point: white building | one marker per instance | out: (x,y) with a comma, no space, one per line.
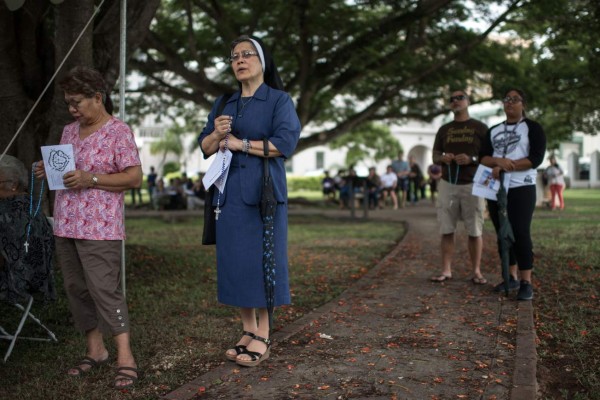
(580,159)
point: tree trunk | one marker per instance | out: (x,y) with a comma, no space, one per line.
(20,75)
(34,41)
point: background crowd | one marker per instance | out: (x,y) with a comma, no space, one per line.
(403,182)
(179,193)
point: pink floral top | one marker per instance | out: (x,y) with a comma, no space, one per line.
(95,214)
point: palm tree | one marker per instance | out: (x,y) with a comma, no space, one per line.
(171,142)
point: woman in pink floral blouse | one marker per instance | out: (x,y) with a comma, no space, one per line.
(88,221)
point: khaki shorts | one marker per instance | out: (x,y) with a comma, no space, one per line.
(454,203)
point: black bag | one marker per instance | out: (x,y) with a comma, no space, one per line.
(209,233)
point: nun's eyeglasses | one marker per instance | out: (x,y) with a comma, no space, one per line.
(244,54)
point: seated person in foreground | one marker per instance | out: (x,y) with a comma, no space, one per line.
(26,238)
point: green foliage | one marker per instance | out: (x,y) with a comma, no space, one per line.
(171,167)
(345,63)
(171,142)
(369,144)
(559,66)
(296,183)
(348,64)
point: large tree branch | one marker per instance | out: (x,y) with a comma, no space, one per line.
(107,33)
(173,62)
(154,69)
(426,73)
(306,61)
(367,114)
(387,29)
(464,49)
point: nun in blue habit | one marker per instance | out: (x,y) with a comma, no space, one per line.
(259,109)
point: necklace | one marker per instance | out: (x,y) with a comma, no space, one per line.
(450,174)
(32,214)
(244,104)
(218,209)
(506,137)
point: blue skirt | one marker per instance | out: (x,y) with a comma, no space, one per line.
(240,281)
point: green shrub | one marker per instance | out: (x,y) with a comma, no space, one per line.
(171,167)
(297,183)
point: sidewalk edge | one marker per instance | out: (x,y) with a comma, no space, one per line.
(525,385)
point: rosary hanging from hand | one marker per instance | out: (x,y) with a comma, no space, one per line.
(32,214)
(218,209)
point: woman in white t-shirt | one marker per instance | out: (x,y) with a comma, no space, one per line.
(516,146)
(389,181)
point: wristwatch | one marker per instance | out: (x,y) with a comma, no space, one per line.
(474,159)
(94,180)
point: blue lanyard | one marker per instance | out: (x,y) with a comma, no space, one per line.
(32,214)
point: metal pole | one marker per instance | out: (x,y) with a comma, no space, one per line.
(122,71)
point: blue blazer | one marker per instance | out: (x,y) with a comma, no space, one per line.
(270,114)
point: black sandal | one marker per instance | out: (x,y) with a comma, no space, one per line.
(122,376)
(86,361)
(256,357)
(240,348)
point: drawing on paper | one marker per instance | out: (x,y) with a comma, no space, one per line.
(58,160)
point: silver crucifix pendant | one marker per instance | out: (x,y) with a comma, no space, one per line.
(217,212)
(26,245)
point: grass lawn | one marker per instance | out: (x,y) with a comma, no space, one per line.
(179,329)
(567,303)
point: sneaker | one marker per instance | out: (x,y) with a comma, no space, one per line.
(513,284)
(525,291)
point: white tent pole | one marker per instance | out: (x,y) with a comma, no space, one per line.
(122,81)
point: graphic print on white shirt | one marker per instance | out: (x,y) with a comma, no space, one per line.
(516,140)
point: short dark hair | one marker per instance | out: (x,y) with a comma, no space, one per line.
(86,81)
